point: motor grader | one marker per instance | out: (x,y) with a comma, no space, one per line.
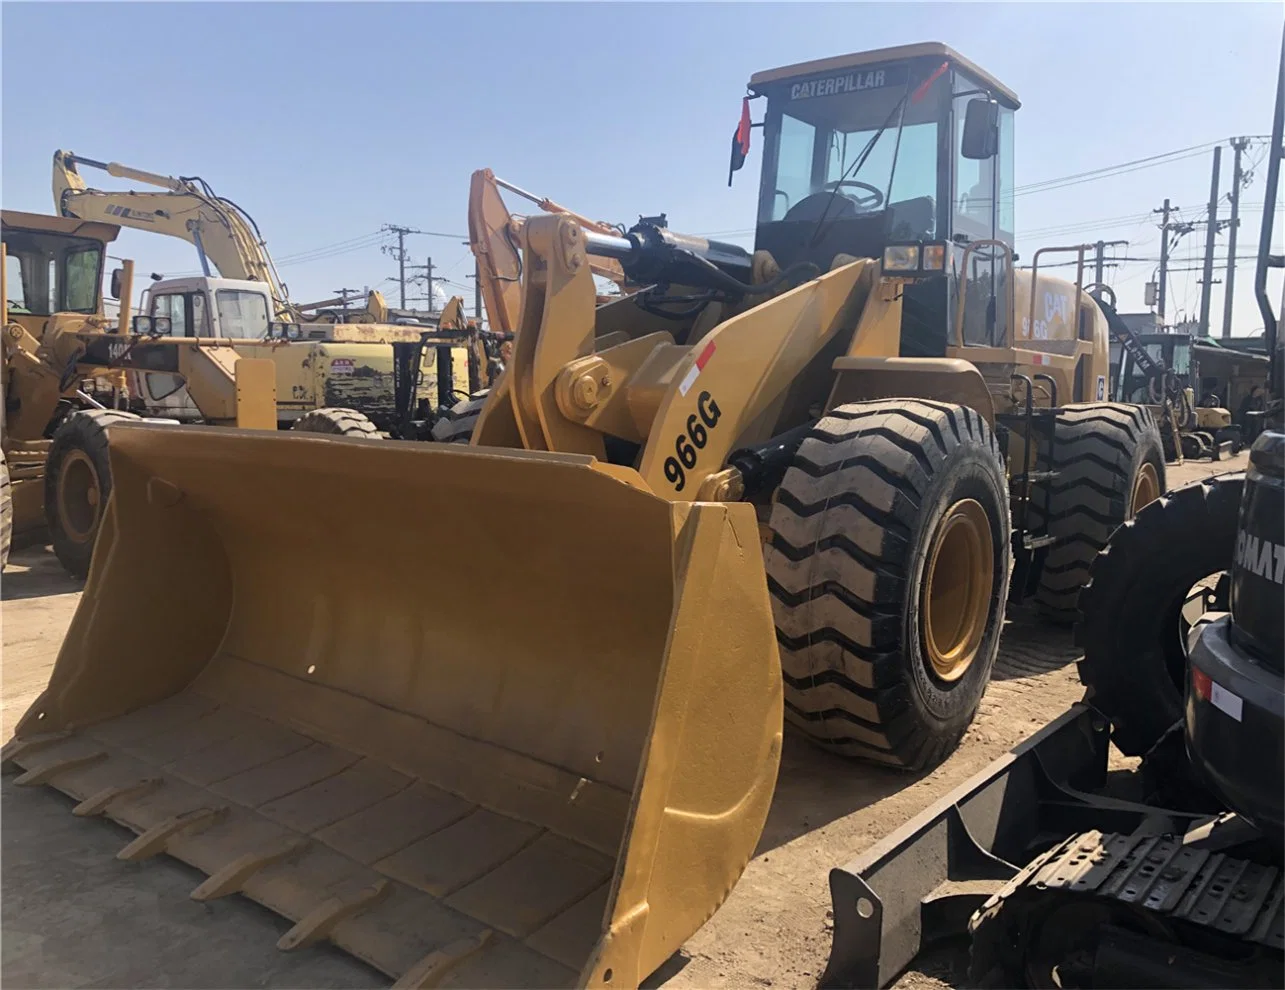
(803,479)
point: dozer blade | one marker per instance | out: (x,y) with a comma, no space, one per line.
(480,718)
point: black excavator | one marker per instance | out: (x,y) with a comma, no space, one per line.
(1060,874)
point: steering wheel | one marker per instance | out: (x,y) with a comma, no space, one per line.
(866,204)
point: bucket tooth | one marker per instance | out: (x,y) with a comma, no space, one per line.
(96,804)
(154,840)
(17,748)
(232,877)
(430,970)
(318,923)
(46,773)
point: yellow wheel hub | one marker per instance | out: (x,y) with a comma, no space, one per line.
(79,496)
(1146,489)
(957,589)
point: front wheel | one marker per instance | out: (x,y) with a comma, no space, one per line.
(888,566)
(6,512)
(78,482)
(335,421)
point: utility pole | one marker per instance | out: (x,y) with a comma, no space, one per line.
(1238,145)
(477,292)
(427,269)
(400,252)
(1211,234)
(1164,260)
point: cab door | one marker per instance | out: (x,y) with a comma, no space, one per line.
(982,210)
(163,394)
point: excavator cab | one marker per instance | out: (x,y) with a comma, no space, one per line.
(904,154)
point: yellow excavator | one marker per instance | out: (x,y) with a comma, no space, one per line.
(804,481)
(223,234)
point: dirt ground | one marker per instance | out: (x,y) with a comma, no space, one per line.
(74,916)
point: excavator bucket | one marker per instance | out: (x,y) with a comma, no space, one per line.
(480,718)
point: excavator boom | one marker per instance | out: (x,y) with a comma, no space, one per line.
(223,233)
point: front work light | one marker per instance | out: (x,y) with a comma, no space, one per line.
(901,258)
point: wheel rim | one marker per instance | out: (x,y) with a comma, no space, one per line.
(957,590)
(1146,488)
(79,497)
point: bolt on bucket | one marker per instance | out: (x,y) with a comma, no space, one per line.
(480,718)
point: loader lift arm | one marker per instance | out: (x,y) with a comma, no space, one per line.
(223,233)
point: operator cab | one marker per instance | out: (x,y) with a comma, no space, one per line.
(207,307)
(901,153)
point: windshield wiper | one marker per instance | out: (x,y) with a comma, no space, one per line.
(855,167)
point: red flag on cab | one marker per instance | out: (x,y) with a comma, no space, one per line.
(740,140)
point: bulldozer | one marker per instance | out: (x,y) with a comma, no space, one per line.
(801,483)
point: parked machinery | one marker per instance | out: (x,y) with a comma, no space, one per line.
(800,472)
(1167,876)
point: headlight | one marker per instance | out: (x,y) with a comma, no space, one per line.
(292,331)
(277,330)
(142,324)
(901,258)
(934,257)
(161,324)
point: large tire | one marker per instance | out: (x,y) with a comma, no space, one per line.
(1110,463)
(78,482)
(1135,655)
(861,578)
(6,512)
(336,422)
(456,426)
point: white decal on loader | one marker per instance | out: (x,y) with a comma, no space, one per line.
(1102,387)
(1261,557)
(848,83)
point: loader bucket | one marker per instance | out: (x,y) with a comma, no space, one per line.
(480,718)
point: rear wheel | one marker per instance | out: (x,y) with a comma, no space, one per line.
(78,482)
(336,422)
(888,566)
(1132,627)
(456,426)
(1110,464)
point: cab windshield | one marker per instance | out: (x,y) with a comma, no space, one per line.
(51,273)
(242,314)
(848,148)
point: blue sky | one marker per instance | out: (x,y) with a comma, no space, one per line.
(326,121)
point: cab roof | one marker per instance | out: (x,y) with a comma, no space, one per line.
(921,50)
(105,232)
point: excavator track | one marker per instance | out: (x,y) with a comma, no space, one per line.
(1089,903)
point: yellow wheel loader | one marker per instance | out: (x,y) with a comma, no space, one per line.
(805,479)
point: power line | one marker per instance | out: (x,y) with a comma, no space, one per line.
(337,244)
(1151,161)
(1123,168)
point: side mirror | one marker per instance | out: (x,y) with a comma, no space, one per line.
(116,276)
(981,130)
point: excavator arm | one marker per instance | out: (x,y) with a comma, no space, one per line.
(495,237)
(224,234)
